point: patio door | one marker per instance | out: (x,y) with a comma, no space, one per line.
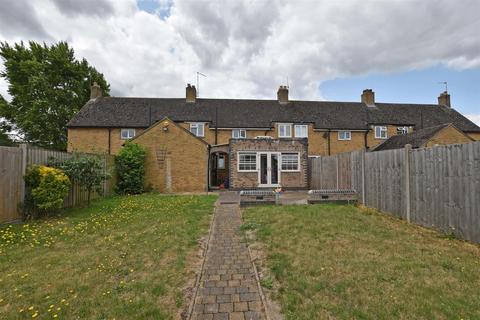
(269,164)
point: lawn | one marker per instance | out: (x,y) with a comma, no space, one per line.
(343,262)
(122,258)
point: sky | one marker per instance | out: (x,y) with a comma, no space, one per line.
(324,50)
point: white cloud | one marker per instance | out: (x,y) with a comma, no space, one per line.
(474,118)
(247,48)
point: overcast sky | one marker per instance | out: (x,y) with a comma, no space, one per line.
(328,49)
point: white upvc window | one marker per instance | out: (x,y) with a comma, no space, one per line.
(126,134)
(239,134)
(344,135)
(284,130)
(290,161)
(381,132)
(402,130)
(301,131)
(197,128)
(247,162)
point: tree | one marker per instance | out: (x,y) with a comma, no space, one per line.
(130,168)
(48,86)
(4,127)
(86,171)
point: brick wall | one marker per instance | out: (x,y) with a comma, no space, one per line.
(448,135)
(475,136)
(245,180)
(176,161)
(95,140)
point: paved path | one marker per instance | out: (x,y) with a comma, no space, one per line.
(228,288)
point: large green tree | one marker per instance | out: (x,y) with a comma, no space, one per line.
(4,126)
(48,86)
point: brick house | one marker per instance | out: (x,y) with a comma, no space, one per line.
(194,144)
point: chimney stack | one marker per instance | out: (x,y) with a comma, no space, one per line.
(444,99)
(368,97)
(95,91)
(191,93)
(282,95)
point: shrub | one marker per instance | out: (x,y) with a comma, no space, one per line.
(130,168)
(86,171)
(48,187)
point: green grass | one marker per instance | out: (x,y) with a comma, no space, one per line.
(342,262)
(122,258)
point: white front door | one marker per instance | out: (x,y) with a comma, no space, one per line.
(269,165)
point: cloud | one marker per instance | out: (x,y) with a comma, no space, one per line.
(18,19)
(71,8)
(247,48)
(474,118)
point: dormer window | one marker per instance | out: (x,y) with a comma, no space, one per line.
(197,128)
(284,130)
(126,134)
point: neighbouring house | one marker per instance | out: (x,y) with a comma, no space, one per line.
(427,137)
(194,144)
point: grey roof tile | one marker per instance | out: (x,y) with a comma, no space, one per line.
(142,112)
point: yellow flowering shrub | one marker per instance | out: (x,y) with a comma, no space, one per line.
(48,186)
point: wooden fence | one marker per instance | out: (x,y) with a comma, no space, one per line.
(435,187)
(13,164)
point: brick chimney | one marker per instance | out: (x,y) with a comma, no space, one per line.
(95,91)
(282,95)
(368,97)
(191,93)
(444,99)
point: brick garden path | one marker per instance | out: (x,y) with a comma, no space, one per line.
(228,288)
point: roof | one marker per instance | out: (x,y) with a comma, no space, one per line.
(417,138)
(238,113)
(169,121)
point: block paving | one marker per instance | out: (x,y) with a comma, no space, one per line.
(228,288)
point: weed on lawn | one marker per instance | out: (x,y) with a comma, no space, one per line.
(123,258)
(342,262)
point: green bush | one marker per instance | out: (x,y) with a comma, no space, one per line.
(47,187)
(86,171)
(130,168)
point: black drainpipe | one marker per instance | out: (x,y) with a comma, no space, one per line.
(208,168)
(365,138)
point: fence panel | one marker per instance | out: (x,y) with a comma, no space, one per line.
(443,184)
(11,181)
(14,161)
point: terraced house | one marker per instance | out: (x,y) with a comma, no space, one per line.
(195,144)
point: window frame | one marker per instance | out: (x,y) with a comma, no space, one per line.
(301,126)
(345,139)
(297,158)
(280,125)
(254,154)
(404,130)
(128,137)
(197,125)
(381,128)
(221,156)
(240,135)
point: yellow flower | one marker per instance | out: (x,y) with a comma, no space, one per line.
(35,315)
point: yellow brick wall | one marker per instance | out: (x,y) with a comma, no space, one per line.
(475,136)
(448,135)
(373,142)
(339,146)
(95,140)
(186,156)
(90,140)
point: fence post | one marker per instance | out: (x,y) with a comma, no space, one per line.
(408,149)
